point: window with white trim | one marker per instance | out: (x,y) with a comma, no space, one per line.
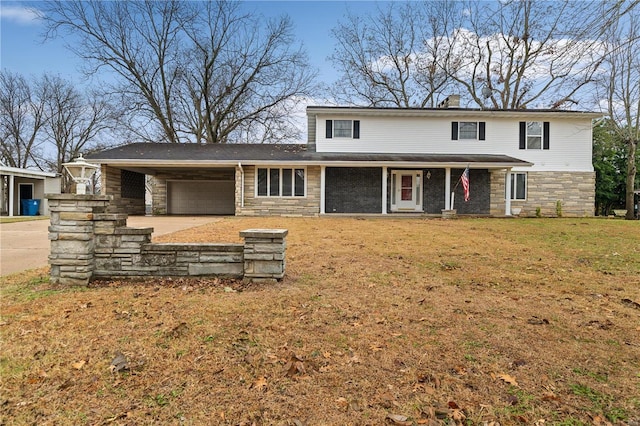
(468,130)
(518,186)
(342,129)
(534,135)
(280,182)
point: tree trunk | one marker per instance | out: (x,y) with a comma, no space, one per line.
(631,179)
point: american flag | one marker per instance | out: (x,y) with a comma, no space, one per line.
(465,183)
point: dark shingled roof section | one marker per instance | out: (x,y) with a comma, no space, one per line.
(275,152)
(195,152)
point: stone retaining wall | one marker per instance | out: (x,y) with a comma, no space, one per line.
(87,243)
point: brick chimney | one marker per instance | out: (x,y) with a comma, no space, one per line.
(452,101)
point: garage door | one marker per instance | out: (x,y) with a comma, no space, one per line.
(201,197)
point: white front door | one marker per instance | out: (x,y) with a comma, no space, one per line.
(406,190)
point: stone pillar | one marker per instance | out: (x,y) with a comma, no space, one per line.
(72,236)
(264,249)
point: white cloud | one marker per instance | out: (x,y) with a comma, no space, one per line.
(20,14)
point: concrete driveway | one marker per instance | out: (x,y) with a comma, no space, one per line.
(25,245)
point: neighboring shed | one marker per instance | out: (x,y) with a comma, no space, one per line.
(18,184)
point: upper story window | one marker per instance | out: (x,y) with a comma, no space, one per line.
(343,129)
(468,130)
(276,182)
(534,135)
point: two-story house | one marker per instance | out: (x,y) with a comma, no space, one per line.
(373,161)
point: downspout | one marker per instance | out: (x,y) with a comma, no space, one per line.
(12,194)
(241,184)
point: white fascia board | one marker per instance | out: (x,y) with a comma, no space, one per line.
(413,165)
(452,112)
(26,173)
(166,163)
(403,164)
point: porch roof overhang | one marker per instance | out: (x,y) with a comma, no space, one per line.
(147,157)
(25,173)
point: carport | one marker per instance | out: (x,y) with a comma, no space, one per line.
(187,179)
(18,185)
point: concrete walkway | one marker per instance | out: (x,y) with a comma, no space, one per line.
(25,245)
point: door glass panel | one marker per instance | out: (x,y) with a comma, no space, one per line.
(407,188)
(274,182)
(286,183)
(299,183)
(262,182)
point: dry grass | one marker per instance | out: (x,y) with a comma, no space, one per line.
(378,321)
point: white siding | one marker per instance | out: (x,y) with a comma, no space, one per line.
(570,139)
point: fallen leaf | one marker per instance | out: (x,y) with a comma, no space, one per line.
(376,347)
(342,403)
(398,419)
(550,396)
(119,363)
(294,366)
(78,365)
(460,369)
(630,303)
(508,379)
(519,363)
(453,405)
(458,415)
(260,384)
(179,330)
(538,321)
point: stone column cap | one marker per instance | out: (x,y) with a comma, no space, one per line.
(264,233)
(86,197)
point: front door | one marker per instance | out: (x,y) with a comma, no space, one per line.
(25,192)
(406,190)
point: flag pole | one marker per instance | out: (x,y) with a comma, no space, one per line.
(453,191)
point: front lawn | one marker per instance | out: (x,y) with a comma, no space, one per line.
(378,321)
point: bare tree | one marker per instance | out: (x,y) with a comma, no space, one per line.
(391,58)
(190,71)
(507,54)
(518,54)
(22,115)
(621,89)
(74,122)
(137,41)
(242,74)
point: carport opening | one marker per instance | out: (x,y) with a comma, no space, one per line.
(172,191)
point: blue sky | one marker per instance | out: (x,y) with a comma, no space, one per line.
(23,50)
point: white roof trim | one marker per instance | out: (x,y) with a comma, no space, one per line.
(448,112)
(28,173)
(225,163)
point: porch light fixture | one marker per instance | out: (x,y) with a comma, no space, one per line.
(80,171)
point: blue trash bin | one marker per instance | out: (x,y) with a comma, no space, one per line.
(30,207)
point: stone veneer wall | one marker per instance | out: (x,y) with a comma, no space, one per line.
(111,184)
(277,206)
(575,190)
(87,243)
(159,183)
